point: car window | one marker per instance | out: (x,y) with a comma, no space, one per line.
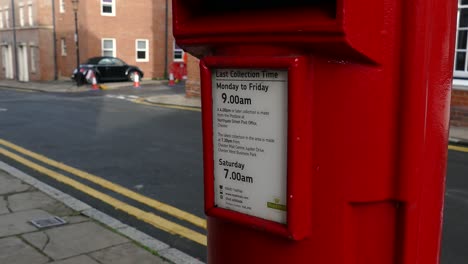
(93,61)
(117,62)
(105,61)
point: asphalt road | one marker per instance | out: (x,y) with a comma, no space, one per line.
(455,231)
(156,152)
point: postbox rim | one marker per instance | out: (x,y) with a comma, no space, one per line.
(298,177)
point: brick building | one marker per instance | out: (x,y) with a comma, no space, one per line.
(192,86)
(31,28)
(138,32)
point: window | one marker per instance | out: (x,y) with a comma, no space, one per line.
(7,17)
(142,50)
(105,61)
(4,54)
(178,53)
(108,7)
(62,6)
(30,14)
(1,18)
(117,62)
(108,47)
(7,60)
(461,48)
(33,57)
(21,14)
(63,44)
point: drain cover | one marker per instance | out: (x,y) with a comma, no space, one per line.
(48,222)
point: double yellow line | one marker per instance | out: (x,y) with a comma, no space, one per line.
(458,148)
(147,217)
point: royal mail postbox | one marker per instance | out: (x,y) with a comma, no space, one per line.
(324,127)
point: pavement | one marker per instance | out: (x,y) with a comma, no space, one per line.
(88,236)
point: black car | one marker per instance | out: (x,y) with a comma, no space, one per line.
(106,69)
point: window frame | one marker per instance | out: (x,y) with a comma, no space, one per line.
(6,10)
(33,53)
(63,47)
(3,52)
(21,14)
(461,73)
(30,14)
(114,46)
(146,50)
(62,6)
(1,18)
(112,5)
(177,49)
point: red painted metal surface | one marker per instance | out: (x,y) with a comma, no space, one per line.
(374,109)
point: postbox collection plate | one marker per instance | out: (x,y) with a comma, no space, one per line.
(250,141)
(254,152)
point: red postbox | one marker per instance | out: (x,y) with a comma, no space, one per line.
(324,126)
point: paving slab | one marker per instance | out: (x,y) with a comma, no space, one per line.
(15,251)
(37,200)
(18,223)
(38,239)
(124,254)
(73,240)
(83,259)
(8,184)
(3,206)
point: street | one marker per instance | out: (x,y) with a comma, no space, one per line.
(455,231)
(155,152)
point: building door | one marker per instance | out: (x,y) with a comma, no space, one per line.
(7,56)
(23,70)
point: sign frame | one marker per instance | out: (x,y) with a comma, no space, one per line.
(299,144)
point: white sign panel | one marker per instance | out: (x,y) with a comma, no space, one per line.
(250,141)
